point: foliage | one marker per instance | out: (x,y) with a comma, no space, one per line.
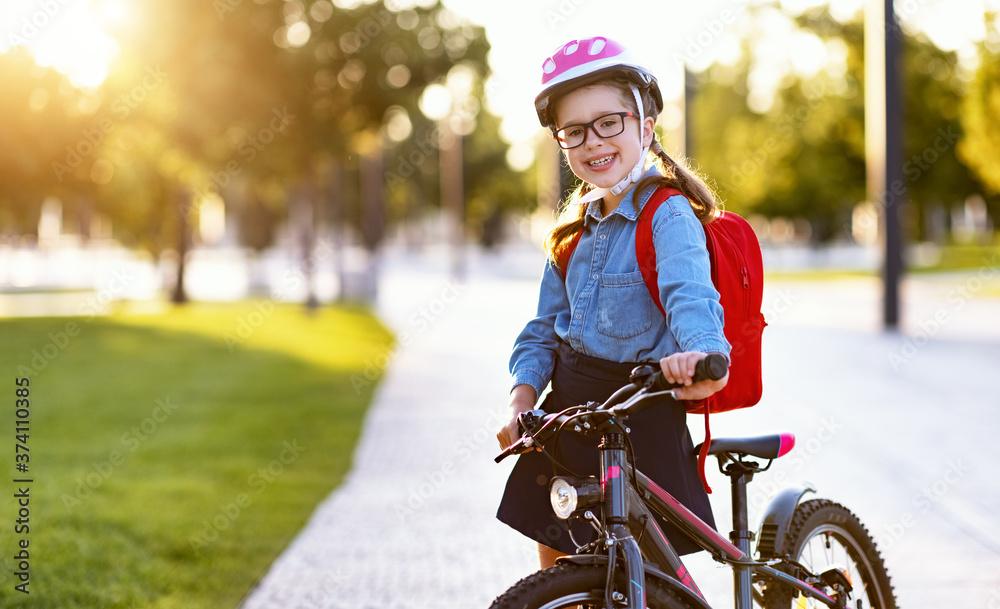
(43,121)
(805,156)
(938,178)
(980,118)
(277,106)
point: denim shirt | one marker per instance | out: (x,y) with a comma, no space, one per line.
(603,308)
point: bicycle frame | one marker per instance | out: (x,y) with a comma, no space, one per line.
(629,499)
(628,511)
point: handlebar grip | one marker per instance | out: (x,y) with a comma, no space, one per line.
(514,449)
(506,453)
(713,368)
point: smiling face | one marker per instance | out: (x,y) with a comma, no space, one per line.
(602,162)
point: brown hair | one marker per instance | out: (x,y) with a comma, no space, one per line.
(673,174)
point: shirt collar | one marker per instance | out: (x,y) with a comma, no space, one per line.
(626,208)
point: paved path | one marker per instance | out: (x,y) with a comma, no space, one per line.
(898,427)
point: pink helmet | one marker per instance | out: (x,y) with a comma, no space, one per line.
(580,62)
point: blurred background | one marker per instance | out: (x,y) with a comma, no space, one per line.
(184,177)
(209,146)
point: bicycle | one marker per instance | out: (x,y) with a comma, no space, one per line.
(811,553)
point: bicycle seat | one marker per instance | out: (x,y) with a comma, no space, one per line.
(770,446)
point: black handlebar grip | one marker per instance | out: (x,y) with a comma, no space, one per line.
(713,368)
(503,455)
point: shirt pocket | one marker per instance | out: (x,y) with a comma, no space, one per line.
(624,308)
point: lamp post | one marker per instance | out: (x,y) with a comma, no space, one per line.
(884,142)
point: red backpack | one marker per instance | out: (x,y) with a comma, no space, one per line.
(738,275)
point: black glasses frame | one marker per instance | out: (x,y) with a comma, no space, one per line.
(592,126)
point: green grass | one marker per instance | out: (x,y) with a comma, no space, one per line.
(975,259)
(818,275)
(163,447)
(965,257)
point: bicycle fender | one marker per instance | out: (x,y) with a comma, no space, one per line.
(651,572)
(776,520)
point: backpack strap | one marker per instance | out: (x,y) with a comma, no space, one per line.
(562,258)
(645,253)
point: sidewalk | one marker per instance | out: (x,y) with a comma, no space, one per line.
(905,442)
(413,524)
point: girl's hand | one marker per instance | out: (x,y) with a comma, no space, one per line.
(508,434)
(522,399)
(678,368)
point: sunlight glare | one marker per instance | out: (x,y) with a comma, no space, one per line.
(807,53)
(67,37)
(113,12)
(950,25)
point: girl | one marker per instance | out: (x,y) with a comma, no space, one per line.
(596,320)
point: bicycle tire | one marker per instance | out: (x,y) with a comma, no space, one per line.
(816,525)
(571,585)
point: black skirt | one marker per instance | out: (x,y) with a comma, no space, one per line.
(660,437)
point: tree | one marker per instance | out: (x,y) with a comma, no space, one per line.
(262,101)
(804,157)
(980,118)
(937,176)
(44,141)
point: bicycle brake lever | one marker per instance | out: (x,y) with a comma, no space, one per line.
(515,448)
(528,421)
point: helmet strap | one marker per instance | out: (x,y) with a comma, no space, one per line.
(636,173)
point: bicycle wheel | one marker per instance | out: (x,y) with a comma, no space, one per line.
(568,585)
(824,534)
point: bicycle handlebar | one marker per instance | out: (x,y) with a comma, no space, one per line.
(646,381)
(712,368)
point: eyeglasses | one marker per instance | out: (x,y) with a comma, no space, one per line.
(605,126)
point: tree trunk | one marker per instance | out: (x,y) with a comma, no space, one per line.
(184,208)
(373,216)
(335,192)
(304,219)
